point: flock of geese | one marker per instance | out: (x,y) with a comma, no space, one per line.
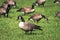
(26,26)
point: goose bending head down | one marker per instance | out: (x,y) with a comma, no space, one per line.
(27,10)
(37,17)
(26,26)
(57,1)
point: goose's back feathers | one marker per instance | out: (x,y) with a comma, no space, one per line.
(2,10)
(40,1)
(28,26)
(27,9)
(36,16)
(11,2)
(25,25)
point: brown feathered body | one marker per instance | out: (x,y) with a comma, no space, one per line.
(58,14)
(26,10)
(11,2)
(57,1)
(4,9)
(37,17)
(29,27)
(26,26)
(40,2)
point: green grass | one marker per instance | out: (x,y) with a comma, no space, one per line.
(9,29)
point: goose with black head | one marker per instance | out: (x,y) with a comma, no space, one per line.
(26,26)
(37,17)
(27,10)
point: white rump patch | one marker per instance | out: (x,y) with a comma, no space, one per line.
(36,4)
(13,3)
(57,2)
(22,12)
(21,24)
(42,0)
(31,19)
(32,10)
(4,11)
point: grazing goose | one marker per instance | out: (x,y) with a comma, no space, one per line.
(37,17)
(26,26)
(57,1)
(58,14)
(4,9)
(40,2)
(11,2)
(27,10)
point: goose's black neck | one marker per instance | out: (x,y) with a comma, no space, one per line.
(22,19)
(32,6)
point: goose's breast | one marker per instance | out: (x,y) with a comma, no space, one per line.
(21,24)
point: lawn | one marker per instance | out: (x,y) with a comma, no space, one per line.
(9,29)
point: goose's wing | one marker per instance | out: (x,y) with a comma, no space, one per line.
(27,8)
(36,16)
(33,26)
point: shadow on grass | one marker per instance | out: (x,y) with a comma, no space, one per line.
(5,17)
(34,34)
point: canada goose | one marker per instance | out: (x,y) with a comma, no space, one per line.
(26,26)
(57,1)
(4,9)
(40,2)
(27,10)
(11,2)
(58,14)
(37,17)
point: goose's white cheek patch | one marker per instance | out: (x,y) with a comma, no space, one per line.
(36,4)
